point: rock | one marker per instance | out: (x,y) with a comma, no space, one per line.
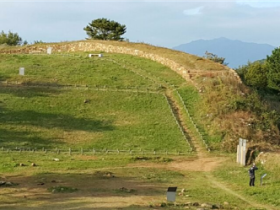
(21,164)
(188,204)
(195,204)
(214,206)
(55,159)
(163,205)
(206,205)
(9,184)
(33,164)
(226,203)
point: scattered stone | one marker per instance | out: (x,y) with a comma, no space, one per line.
(109,174)
(206,205)
(226,203)
(123,189)
(214,206)
(7,184)
(21,164)
(188,204)
(195,204)
(55,159)
(33,164)
(163,205)
(86,101)
(40,183)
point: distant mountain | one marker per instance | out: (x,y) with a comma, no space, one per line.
(235,52)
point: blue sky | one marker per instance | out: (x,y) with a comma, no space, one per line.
(159,22)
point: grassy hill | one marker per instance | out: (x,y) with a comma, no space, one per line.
(222,108)
(91,103)
(114,132)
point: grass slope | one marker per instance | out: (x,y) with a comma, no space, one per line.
(48,109)
(125,108)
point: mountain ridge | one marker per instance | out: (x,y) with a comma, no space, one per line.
(235,52)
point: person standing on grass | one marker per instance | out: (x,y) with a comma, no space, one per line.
(252,174)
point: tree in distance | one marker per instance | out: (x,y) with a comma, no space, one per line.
(10,38)
(215,58)
(104,29)
(273,62)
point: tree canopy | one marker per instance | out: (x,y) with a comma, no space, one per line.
(256,75)
(104,29)
(273,62)
(10,38)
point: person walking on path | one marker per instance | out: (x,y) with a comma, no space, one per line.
(252,174)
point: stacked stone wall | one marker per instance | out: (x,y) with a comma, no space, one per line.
(93,46)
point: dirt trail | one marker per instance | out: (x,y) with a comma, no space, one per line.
(246,200)
(204,162)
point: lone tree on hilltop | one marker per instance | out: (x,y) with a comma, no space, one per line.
(10,38)
(215,58)
(104,29)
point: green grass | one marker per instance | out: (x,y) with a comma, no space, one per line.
(238,179)
(48,116)
(160,73)
(88,175)
(71,70)
(35,117)
(46,110)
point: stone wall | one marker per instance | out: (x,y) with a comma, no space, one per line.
(84,46)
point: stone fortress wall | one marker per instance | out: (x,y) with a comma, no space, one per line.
(84,46)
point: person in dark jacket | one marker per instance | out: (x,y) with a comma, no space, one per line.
(252,174)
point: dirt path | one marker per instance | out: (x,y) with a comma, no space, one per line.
(204,161)
(229,191)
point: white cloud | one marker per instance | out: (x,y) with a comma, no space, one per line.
(194,11)
(260,3)
(159,22)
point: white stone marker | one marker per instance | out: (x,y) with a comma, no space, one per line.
(21,71)
(49,50)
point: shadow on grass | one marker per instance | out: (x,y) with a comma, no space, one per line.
(14,128)
(3,77)
(12,139)
(93,191)
(51,120)
(43,90)
(31,137)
